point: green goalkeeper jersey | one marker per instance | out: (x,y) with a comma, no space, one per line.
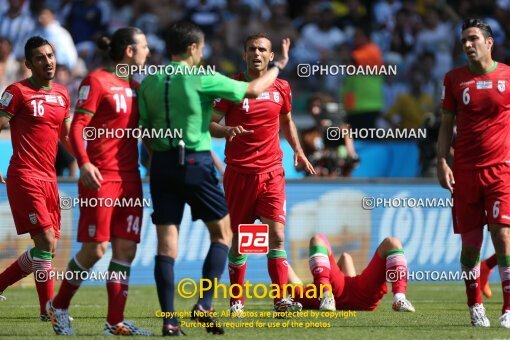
(182,101)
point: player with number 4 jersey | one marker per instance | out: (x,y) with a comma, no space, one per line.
(477,98)
(107,103)
(254,179)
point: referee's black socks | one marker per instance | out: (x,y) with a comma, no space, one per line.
(164,275)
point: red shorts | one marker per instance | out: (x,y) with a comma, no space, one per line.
(361,292)
(250,196)
(99,222)
(480,197)
(34,205)
(364,291)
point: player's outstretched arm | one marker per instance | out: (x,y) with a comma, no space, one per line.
(444,141)
(290,131)
(259,85)
(3,121)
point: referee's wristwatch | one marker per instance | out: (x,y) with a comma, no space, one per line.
(274,64)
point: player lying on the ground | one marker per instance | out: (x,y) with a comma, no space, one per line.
(351,291)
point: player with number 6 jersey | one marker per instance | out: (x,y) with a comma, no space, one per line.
(477,98)
(108,169)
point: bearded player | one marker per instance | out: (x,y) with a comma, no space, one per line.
(254,179)
(108,169)
(477,98)
(351,291)
(37,110)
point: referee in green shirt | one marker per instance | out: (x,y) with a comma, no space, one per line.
(182,168)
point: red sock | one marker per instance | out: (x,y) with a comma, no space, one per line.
(15,272)
(473,289)
(504,273)
(492,261)
(64,295)
(396,271)
(279,272)
(45,292)
(117,298)
(237,273)
(69,287)
(43,283)
(117,287)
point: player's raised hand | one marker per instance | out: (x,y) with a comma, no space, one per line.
(90,176)
(445,176)
(299,157)
(284,58)
(233,131)
(2,180)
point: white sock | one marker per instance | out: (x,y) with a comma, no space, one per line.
(399,296)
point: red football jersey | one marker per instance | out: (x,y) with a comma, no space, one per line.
(36,116)
(112,102)
(481,104)
(258,152)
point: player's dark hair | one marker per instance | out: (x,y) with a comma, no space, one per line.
(483,26)
(34,42)
(116,45)
(181,35)
(255,37)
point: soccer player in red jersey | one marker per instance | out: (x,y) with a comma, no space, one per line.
(477,98)
(254,179)
(348,290)
(108,169)
(37,110)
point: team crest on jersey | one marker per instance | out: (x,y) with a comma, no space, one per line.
(83,94)
(33,218)
(6,99)
(276,97)
(483,85)
(92,230)
(60,100)
(501,85)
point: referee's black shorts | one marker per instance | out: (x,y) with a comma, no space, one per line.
(195,183)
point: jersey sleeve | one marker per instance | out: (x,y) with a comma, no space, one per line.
(221,105)
(11,101)
(287,98)
(89,95)
(448,99)
(67,98)
(218,85)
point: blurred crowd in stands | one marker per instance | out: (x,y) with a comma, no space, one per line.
(422,38)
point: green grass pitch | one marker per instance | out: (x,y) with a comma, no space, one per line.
(441,313)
